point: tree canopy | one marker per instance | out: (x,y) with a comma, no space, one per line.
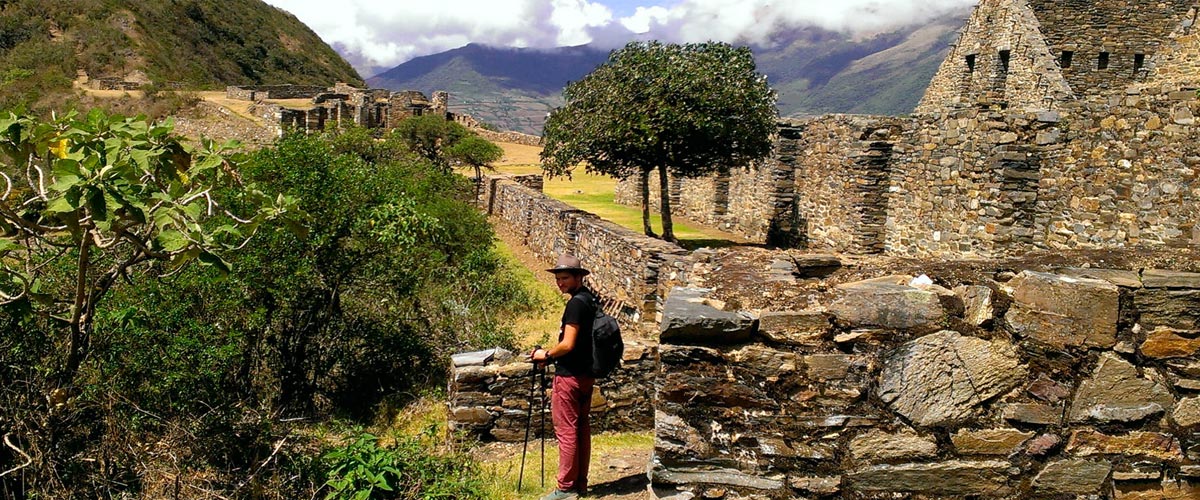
(687,110)
(430,136)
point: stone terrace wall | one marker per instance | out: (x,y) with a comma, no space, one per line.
(625,265)
(1083,382)
(259,92)
(491,400)
(511,137)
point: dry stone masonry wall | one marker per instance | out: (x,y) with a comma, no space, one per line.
(1033,385)
(1015,146)
(626,266)
(489,391)
(490,394)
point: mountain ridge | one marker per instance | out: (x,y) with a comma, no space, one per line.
(814,71)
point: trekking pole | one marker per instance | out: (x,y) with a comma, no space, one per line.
(528,424)
(543,375)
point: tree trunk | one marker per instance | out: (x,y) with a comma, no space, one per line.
(644,184)
(665,197)
(478,183)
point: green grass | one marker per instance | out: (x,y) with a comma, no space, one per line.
(504,474)
(595,194)
(535,325)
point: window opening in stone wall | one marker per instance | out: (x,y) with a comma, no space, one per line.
(1139,60)
(971,63)
(1064,60)
(1004,56)
(1102,63)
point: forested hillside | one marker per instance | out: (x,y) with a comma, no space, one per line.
(200,43)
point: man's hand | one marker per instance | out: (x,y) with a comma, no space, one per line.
(538,355)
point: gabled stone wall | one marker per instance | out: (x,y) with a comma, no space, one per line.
(1119,28)
(1035,385)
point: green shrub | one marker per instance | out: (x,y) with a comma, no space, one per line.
(363,469)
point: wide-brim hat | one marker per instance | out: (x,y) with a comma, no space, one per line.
(569,263)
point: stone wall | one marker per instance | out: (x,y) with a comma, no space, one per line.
(113,84)
(1118,28)
(490,395)
(1034,385)
(1109,173)
(1091,175)
(494,136)
(260,92)
(626,266)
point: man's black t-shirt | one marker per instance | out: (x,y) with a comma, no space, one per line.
(580,311)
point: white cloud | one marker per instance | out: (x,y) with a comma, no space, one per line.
(379,34)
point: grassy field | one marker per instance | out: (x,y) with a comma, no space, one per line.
(595,193)
(536,325)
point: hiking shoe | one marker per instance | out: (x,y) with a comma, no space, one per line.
(560,495)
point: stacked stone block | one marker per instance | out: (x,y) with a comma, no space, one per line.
(490,399)
(1081,383)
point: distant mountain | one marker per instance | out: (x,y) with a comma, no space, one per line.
(200,43)
(510,88)
(815,71)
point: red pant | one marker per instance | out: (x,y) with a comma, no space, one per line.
(569,405)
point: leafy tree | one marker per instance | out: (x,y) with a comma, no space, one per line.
(430,137)
(477,152)
(687,110)
(107,193)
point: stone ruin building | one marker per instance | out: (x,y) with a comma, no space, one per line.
(1022,356)
(344,104)
(1051,124)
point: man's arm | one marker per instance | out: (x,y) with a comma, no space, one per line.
(570,331)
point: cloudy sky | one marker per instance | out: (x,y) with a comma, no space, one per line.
(380,34)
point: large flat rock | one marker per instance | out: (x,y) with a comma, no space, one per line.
(723,477)
(886,305)
(1119,277)
(944,377)
(1072,477)
(1161,278)
(1178,309)
(1089,442)
(689,319)
(878,446)
(1116,393)
(953,478)
(804,328)
(1064,311)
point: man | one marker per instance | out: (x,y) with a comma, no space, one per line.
(571,397)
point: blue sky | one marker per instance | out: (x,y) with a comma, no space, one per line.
(627,7)
(376,35)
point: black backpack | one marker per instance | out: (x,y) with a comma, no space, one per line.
(607,347)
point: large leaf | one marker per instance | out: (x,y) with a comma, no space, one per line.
(171,241)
